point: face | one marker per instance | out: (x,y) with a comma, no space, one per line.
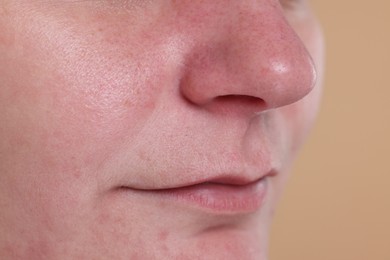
(150,129)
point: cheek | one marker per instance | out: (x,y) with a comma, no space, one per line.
(101,91)
(66,104)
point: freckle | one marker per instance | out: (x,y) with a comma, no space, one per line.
(128,103)
(3,10)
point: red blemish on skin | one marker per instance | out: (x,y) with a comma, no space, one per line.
(10,251)
(144,156)
(7,37)
(234,157)
(77,173)
(38,250)
(162,236)
(19,142)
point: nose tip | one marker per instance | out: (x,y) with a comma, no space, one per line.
(260,58)
(285,81)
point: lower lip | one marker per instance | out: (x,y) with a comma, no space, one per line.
(220,198)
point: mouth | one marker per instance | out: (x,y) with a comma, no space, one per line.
(219,196)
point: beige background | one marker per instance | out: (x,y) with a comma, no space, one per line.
(337,204)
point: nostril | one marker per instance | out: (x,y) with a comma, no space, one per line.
(240,99)
(236,105)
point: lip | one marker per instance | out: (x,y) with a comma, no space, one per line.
(218,197)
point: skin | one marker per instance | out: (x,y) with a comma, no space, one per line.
(100,95)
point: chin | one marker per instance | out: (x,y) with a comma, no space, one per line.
(219,243)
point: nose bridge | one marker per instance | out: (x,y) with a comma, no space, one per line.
(252,52)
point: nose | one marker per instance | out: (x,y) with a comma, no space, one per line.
(246,55)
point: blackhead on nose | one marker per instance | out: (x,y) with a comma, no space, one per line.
(247,53)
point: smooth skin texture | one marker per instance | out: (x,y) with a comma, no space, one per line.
(102,99)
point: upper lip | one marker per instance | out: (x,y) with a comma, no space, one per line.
(222,179)
(235,180)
